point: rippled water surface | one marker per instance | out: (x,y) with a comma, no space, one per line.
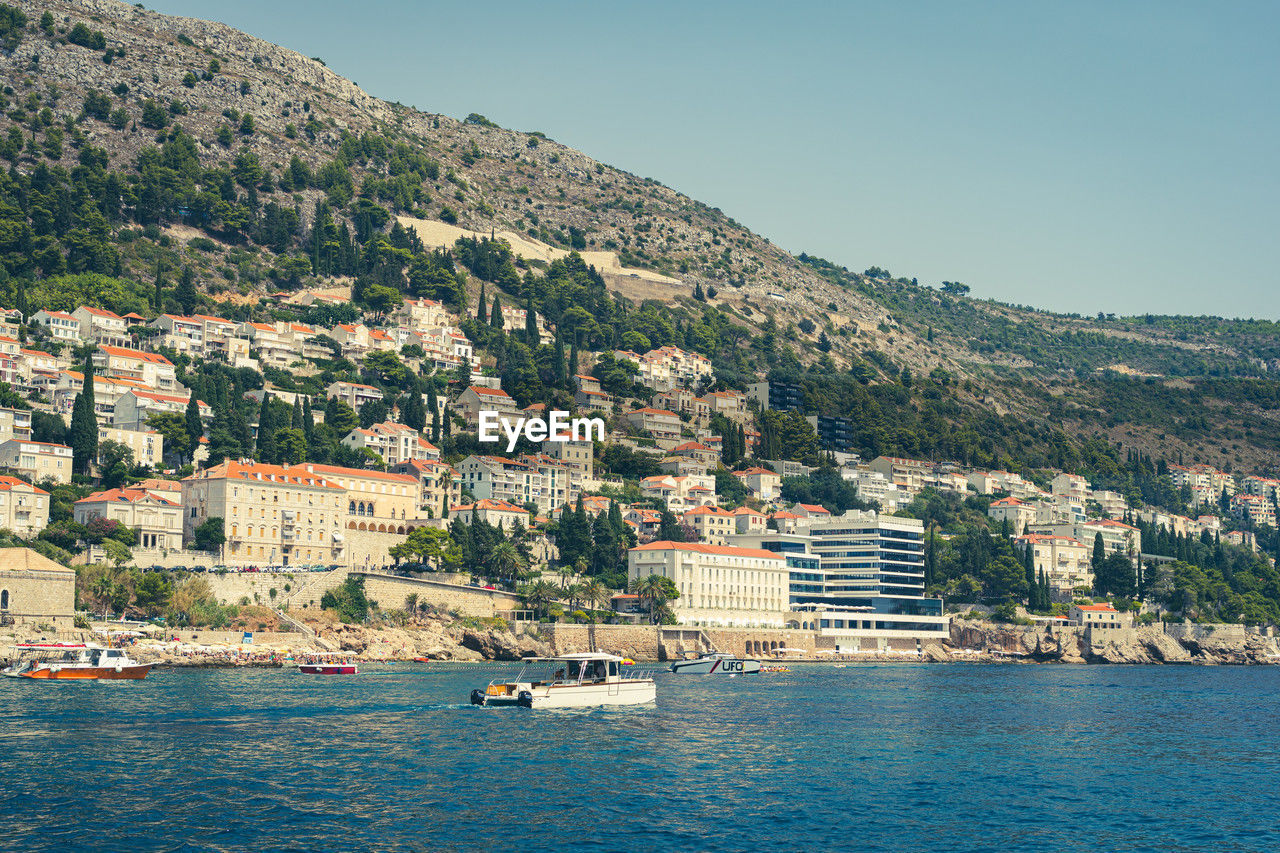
(865,757)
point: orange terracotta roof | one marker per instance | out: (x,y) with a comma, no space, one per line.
(338,471)
(295,475)
(125,496)
(7,483)
(138,355)
(490,392)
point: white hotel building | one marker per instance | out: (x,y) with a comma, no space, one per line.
(719,585)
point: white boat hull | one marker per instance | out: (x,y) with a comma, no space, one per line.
(627,692)
(716,666)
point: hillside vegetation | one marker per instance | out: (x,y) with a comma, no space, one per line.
(141,147)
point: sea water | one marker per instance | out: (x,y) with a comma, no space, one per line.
(863,757)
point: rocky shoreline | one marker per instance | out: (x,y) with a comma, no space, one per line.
(970,641)
(1203,645)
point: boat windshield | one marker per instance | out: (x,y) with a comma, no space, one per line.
(570,671)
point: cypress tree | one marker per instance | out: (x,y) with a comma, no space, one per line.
(530,323)
(434,405)
(495,316)
(185,292)
(615,520)
(482,309)
(296,422)
(266,449)
(195,427)
(559,376)
(308,423)
(83,432)
(1099,551)
(573,360)
(158,298)
(84,423)
(412,412)
(1029,566)
(930,561)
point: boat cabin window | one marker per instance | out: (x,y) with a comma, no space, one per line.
(613,667)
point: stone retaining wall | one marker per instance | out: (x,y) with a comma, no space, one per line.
(390,591)
(231,587)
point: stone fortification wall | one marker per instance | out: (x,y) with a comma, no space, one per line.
(38,597)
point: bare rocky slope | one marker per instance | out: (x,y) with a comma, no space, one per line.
(1144,382)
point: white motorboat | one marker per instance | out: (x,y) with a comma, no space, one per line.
(582,680)
(716,663)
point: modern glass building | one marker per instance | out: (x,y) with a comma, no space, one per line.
(868,581)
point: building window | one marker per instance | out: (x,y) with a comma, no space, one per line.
(4,599)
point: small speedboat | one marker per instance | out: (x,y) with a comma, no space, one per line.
(716,663)
(334,663)
(583,680)
(75,661)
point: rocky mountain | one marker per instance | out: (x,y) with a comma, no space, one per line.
(145,143)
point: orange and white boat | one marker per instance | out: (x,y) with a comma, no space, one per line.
(75,661)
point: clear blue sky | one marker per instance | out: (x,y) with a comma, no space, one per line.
(1079,157)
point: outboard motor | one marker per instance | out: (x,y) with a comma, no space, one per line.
(525,699)
(477,697)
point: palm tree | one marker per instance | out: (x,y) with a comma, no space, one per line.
(573,595)
(538,595)
(653,592)
(597,595)
(505,561)
(411,603)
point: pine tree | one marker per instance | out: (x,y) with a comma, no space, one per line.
(482,308)
(185,292)
(84,423)
(495,316)
(195,427)
(266,448)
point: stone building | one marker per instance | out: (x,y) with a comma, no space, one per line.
(35,590)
